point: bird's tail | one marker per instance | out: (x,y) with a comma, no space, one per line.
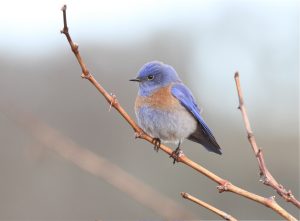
(208,141)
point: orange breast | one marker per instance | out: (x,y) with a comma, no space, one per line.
(161,99)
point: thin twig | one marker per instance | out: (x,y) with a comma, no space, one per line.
(224,185)
(208,206)
(266,176)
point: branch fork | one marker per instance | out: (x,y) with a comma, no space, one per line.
(224,186)
(86,75)
(139,134)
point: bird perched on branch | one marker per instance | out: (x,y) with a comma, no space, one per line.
(166,109)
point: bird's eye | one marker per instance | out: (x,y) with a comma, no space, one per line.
(150,77)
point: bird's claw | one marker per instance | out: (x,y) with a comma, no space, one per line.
(176,154)
(157,143)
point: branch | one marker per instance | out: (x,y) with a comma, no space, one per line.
(266,176)
(224,185)
(208,206)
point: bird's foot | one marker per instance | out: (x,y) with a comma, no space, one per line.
(156,142)
(176,154)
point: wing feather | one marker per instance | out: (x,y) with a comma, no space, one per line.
(207,139)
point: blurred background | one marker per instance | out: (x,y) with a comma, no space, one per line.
(45,106)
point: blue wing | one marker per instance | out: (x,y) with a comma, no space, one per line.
(203,134)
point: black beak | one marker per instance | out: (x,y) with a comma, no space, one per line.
(135,79)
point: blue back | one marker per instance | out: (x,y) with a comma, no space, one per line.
(184,95)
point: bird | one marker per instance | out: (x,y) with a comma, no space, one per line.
(166,109)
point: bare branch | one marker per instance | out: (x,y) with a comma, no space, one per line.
(208,206)
(266,176)
(183,159)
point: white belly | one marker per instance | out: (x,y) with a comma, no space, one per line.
(169,126)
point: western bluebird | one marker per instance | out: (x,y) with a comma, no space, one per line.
(166,109)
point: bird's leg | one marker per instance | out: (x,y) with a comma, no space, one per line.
(157,143)
(177,153)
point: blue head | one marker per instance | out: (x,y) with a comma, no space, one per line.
(154,75)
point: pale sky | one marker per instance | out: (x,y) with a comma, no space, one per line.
(31,24)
